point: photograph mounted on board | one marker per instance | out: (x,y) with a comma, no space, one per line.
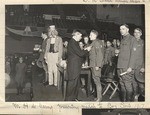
(80,53)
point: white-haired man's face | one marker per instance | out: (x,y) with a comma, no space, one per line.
(78,36)
(52,27)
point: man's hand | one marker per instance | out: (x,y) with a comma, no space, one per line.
(88,48)
(129,70)
(142,70)
(96,68)
(45,57)
(59,60)
(40,50)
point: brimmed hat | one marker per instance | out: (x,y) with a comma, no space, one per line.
(140,76)
(39,63)
(138,29)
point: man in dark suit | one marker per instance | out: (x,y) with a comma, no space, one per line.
(125,63)
(96,59)
(74,63)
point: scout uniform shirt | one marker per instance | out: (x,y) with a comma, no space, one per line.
(96,54)
(137,59)
(109,53)
(124,58)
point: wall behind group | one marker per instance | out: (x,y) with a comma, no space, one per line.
(133,14)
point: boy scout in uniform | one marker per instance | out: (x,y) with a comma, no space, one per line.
(96,58)
(138,62)
(109,53)
(125,64)
(108,60)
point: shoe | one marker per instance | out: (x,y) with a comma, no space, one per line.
(129,97)
(45,83)
(83,90)
(98,99)
(93,91)
(136,98)
(77,100)
(42,81)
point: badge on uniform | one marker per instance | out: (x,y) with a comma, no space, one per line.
(134,49)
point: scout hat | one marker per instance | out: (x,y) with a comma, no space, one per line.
(140,76)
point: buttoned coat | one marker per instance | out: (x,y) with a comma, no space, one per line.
(96,54)
(74,59)
(109,53)
(58,46)
(125,56)
(137,54)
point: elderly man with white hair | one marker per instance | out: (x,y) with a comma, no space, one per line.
(53,54)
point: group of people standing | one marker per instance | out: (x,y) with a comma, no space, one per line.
(130,57)
(130,61)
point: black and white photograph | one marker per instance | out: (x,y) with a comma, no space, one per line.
(75,52)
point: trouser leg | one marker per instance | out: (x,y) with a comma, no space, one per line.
(72,89)
(19,88)
(46,70)
(128,86)
(123,91)
(50,67)
(126,83)
(135,87)
(18,91)
(55,69)
(98,88)
(96,74)
(141,88)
